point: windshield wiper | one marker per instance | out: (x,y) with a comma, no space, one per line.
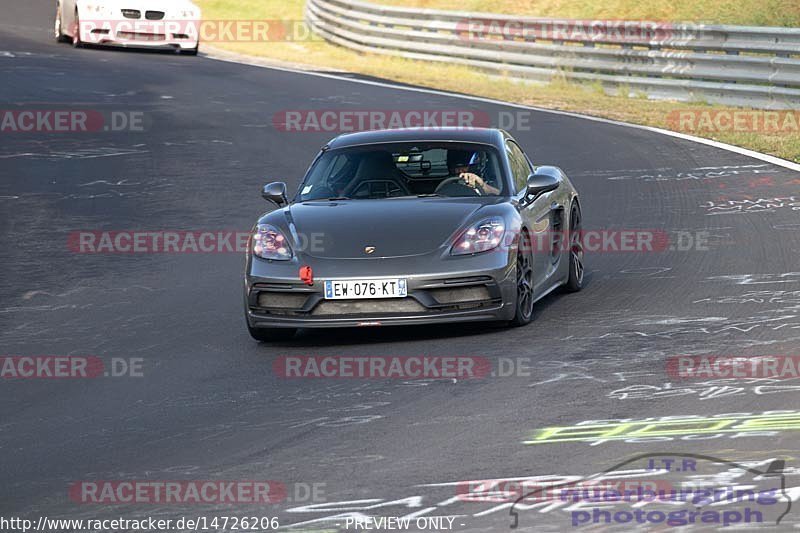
(432,195)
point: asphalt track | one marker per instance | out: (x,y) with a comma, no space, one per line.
(209,405)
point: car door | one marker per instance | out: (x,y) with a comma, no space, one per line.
(544,217)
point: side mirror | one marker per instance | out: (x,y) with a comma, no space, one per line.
(540,183)
(275,192)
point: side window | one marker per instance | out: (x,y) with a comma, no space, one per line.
(520,168)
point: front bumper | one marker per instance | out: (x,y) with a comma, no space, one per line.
(477,288)
(165,35)
(166,45)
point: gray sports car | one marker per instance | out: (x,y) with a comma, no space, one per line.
(413,226)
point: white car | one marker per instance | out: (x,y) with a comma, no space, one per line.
(168,24)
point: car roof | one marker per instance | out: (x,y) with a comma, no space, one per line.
(489,136)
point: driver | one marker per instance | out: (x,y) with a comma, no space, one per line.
(465,164)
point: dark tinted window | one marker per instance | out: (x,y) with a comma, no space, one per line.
(404,169)
(520,168)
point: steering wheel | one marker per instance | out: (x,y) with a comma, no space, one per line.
(458,183)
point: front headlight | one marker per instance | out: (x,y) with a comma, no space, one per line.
(480,237)
(270,243)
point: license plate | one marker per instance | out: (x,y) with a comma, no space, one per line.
(348,289)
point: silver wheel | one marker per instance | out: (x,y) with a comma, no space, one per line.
(524,311)
(576,253)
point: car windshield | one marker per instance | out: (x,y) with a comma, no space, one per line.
(404,169)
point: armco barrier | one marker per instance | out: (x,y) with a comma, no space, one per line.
(733,65)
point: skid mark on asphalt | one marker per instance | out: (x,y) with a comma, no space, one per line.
(728,327)
(696,174)
(706,390)
(87,153)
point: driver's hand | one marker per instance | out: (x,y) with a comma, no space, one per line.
(473,180)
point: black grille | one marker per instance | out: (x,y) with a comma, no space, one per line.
(461,294)
(139,36)
(131,13)
(154,15)
(281,300)
(368,307)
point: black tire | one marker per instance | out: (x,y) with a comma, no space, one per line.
(190,52)
(58,29)
(76,37)
(576,253)
(524,301)
(271,334)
